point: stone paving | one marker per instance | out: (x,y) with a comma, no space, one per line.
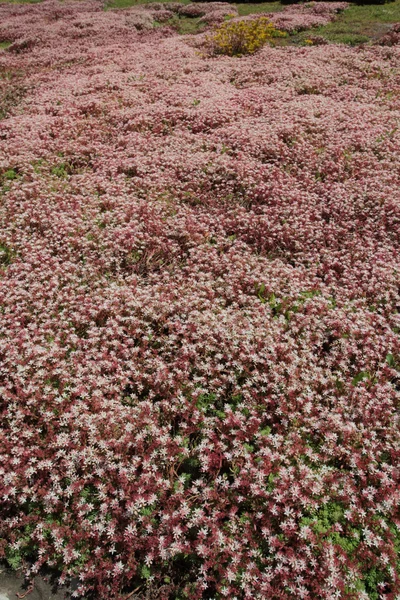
(12,587)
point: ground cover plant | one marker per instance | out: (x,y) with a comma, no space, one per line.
(360,23)
(199,308)
(239,37)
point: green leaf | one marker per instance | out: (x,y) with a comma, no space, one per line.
(265,431)
(145,572)
(360,377)
(390,360)
(248,447)
(10,174)
(310,294)
(6,255)
(146,511)
(13,558)
(260,292)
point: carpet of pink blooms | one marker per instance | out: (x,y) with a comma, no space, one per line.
(303,16)
(199,304)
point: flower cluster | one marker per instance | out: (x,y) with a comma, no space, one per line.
(242,36)
(292,19)
(211,12)
(199,296)
(297,17)
(392,37)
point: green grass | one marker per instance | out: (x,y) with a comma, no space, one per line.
(186,25)
(259,7)
(358,24)
(4,45)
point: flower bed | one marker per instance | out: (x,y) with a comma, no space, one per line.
(200,312)
(297,17)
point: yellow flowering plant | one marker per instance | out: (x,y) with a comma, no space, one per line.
(236,38)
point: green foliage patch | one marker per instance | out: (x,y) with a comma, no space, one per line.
(360,23)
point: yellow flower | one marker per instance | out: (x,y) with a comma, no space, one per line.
(242,37)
